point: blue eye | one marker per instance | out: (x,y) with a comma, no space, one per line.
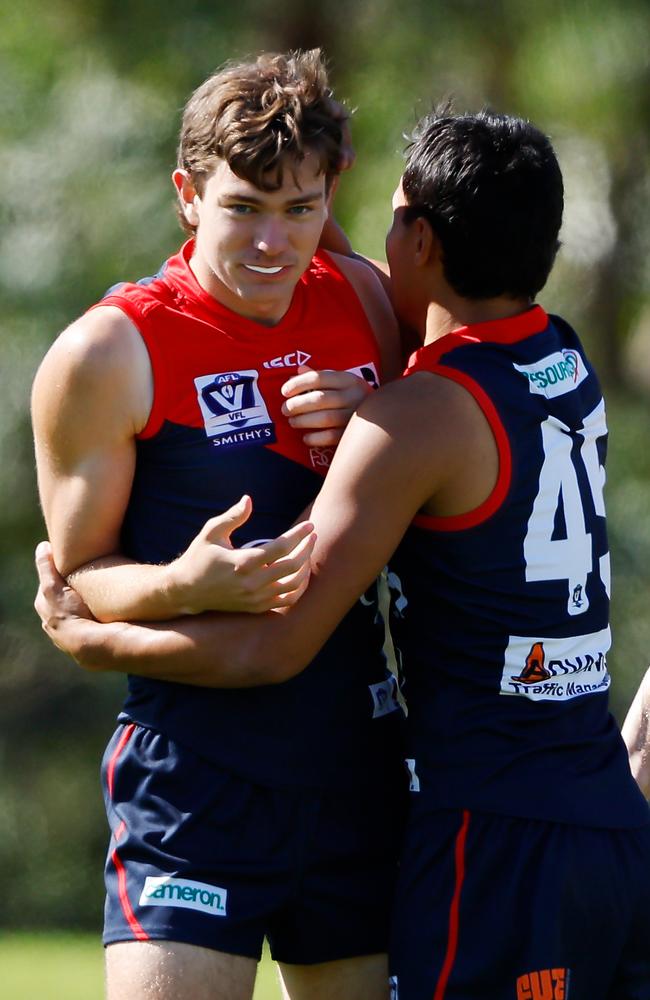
(300,209)
(241,209)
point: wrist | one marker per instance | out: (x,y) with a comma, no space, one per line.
(94,646)
(176,591)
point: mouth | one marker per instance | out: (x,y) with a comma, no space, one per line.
(265,270)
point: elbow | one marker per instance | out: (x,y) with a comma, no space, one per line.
(271,659)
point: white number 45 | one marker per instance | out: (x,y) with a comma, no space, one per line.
(568,558)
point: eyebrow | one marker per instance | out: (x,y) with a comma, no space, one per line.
(251,199)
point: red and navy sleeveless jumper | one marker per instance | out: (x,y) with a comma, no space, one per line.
(215,432)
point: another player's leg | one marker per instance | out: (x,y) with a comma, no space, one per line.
(364,978)
(169,970)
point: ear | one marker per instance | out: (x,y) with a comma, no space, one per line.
(426,242)
(187,195)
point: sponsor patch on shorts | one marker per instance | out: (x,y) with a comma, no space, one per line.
(165,890)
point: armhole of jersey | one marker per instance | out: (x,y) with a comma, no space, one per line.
(460,522)
(141,321)
(324,257)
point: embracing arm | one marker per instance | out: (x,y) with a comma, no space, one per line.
(396,453)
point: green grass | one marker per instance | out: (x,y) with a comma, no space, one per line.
(70,967)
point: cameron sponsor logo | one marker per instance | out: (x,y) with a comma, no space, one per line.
(165,890)
(543,669)
(554,375)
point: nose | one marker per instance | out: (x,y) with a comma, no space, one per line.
(271,236)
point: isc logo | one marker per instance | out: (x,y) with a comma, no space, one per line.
(292,360)
(547,984)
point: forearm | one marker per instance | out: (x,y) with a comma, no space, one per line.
(207,650)
(117,590)
(636,733)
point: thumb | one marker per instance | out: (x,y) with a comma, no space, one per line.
(223,525)
(47,572)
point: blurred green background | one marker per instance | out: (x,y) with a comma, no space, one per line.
(90,97)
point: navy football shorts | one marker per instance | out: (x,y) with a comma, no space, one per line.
(202,856)
(496,908)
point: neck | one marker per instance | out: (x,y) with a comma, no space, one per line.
(266,313)
(445,317)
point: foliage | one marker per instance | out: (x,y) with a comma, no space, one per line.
(89,103)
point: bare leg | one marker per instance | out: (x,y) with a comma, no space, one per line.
(169,970)
(364,978)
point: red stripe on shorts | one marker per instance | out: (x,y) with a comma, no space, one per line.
(121,743)
(125,902)
(452,940)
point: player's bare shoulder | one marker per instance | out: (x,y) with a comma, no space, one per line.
(97,364)
(377,307)
(433,428)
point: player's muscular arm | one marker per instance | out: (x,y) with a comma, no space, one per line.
(396,453)
(91,396)
(636,733)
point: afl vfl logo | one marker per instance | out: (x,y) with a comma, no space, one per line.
(233,409)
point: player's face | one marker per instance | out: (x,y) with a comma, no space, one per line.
(252,246)
(399,254)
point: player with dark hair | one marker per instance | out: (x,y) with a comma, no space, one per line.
(525,871)
(235,814)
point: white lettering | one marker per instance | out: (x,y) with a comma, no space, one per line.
(165,890)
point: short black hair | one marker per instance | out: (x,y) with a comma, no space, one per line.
(491,188)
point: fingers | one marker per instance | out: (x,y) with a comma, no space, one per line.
(281,579)
(284,555)
(285,592)
(333,395)
(222,526)
(309,379)
(290,598)
(321,418)
(328,438)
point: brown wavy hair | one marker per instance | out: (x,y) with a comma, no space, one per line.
(255,114)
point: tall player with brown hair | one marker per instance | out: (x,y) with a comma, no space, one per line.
(235,814)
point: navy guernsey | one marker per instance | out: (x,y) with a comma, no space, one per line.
(215,432)
(503,620)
